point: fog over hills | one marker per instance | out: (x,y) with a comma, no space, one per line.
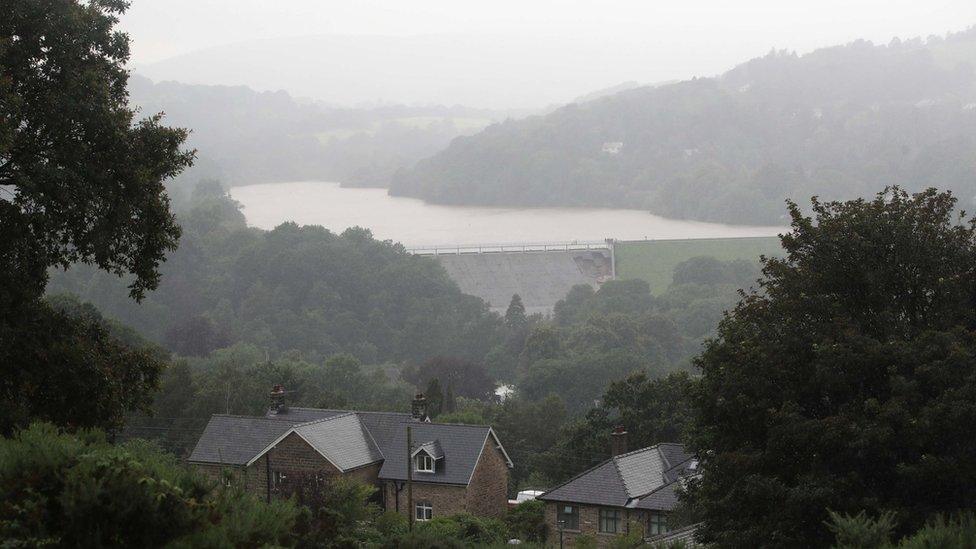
(839,122)
(493,71)
(244,136)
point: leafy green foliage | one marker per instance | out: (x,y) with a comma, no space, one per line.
(81,181)
(839,122)
(651,410)
(297,288)
(85,183)
(863,532)
(77,490)
(847,382)
(527,521)
(65,366)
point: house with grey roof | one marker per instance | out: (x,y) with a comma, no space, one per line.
(422,469)
(631,489)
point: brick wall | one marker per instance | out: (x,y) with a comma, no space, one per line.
(293,457)
(589,522)
(487,494)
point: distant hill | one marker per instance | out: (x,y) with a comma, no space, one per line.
(245,136)
(839,122)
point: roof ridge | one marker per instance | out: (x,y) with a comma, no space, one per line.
(620,474)
(644,449)
(456,424)
(369,433)
(323,419)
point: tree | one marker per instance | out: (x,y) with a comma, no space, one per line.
(847,381)
(651,410)
(435,398)
(466,378)
(515,318)
(71,371)
(80,182)
(85,183)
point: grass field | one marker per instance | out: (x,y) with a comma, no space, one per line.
(654,260)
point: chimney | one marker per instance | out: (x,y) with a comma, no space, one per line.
(618,441)
(418,408)
(278,400)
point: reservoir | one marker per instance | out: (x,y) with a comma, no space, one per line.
(416,223)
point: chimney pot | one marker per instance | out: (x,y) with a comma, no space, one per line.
(278,399)
(618,441)
(418,408)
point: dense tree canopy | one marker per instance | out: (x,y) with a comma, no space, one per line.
(84,182)
(81,181)
(848,381)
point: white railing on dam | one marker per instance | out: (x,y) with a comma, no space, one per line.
(458,249)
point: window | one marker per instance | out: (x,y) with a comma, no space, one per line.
(610,521)
(425,463)
(424,510)
(567,517)
(657,523)
(277,479)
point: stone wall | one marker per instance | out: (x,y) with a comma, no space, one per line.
(446,499)
(296,460)
(487,493)
(589,524)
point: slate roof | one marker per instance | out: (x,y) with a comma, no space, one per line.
(342,440)
(433,449)
(234,440)
(461,446)
(628,480)
(685,535)
(348,439)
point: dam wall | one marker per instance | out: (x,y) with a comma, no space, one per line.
(539,277)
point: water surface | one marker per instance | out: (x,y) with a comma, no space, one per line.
(416,223)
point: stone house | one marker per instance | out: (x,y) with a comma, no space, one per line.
(632,489)
(454,468)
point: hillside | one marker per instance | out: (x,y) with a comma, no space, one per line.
(838,122)
(245,136)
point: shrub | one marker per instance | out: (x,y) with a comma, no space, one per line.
(527,521)
(78,490)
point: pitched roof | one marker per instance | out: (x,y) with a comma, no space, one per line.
(234,440)
(342,440)
(461,446)
(625,480)
(348,440)
(433,449)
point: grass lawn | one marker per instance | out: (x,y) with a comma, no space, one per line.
(654,260)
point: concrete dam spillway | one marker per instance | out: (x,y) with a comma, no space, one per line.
(540,278)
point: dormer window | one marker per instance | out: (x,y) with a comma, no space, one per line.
(424,463)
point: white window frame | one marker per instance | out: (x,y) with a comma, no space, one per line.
(423,511)
(277,479)
(425,459)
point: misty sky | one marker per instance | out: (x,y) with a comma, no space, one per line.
(518,53)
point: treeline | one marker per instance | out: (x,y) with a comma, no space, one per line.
(301,289)
(308,293)
(838,123)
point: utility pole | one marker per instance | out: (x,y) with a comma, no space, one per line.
(410,508)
